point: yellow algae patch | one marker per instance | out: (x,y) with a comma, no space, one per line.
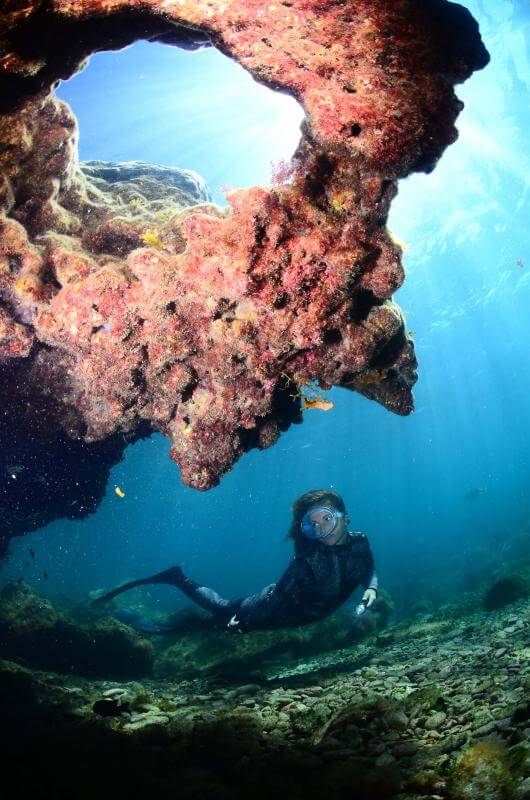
(187,428)
(245,310)
(237,326)
(152,239)
(338,201)
(309,392)
(28,285)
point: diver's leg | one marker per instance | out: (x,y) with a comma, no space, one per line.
(201,595)
(207,598)
(173,576)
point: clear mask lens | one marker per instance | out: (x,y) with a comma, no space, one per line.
(320,522)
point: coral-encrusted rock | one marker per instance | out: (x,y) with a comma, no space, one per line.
(15,339)
(32,630)
(204,322)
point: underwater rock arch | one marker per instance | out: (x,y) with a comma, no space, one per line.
(180,316)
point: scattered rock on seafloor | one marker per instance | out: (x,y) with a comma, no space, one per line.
(325,731)
(435,721)
(306,720)
(150,719)
(397,720)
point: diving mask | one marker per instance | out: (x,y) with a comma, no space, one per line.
(320,522)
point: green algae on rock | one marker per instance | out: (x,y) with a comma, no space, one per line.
(482,772)
(33,631)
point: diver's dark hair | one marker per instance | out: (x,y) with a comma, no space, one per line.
(323,497)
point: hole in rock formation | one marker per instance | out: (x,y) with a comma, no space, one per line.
(200,112)
(120,315)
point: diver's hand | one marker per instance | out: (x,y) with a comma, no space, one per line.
(233,625)
(369,597)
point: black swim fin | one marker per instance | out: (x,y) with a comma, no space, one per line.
(172,576)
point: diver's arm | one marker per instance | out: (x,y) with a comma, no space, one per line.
(371,582)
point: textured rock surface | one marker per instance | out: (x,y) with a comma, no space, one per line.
(46,470)
(34,632)
(206,323)
(132,181)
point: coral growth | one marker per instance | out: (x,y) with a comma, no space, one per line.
(129,310)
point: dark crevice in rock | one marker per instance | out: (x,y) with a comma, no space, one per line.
(332,336)
(363,302)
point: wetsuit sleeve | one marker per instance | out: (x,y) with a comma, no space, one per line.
(373,583)
(370,579)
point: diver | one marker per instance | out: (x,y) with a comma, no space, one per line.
(328,564)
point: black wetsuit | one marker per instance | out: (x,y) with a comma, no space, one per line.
(317,581)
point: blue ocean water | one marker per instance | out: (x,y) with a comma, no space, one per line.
(439,493)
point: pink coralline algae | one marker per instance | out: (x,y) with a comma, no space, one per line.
(203,322)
